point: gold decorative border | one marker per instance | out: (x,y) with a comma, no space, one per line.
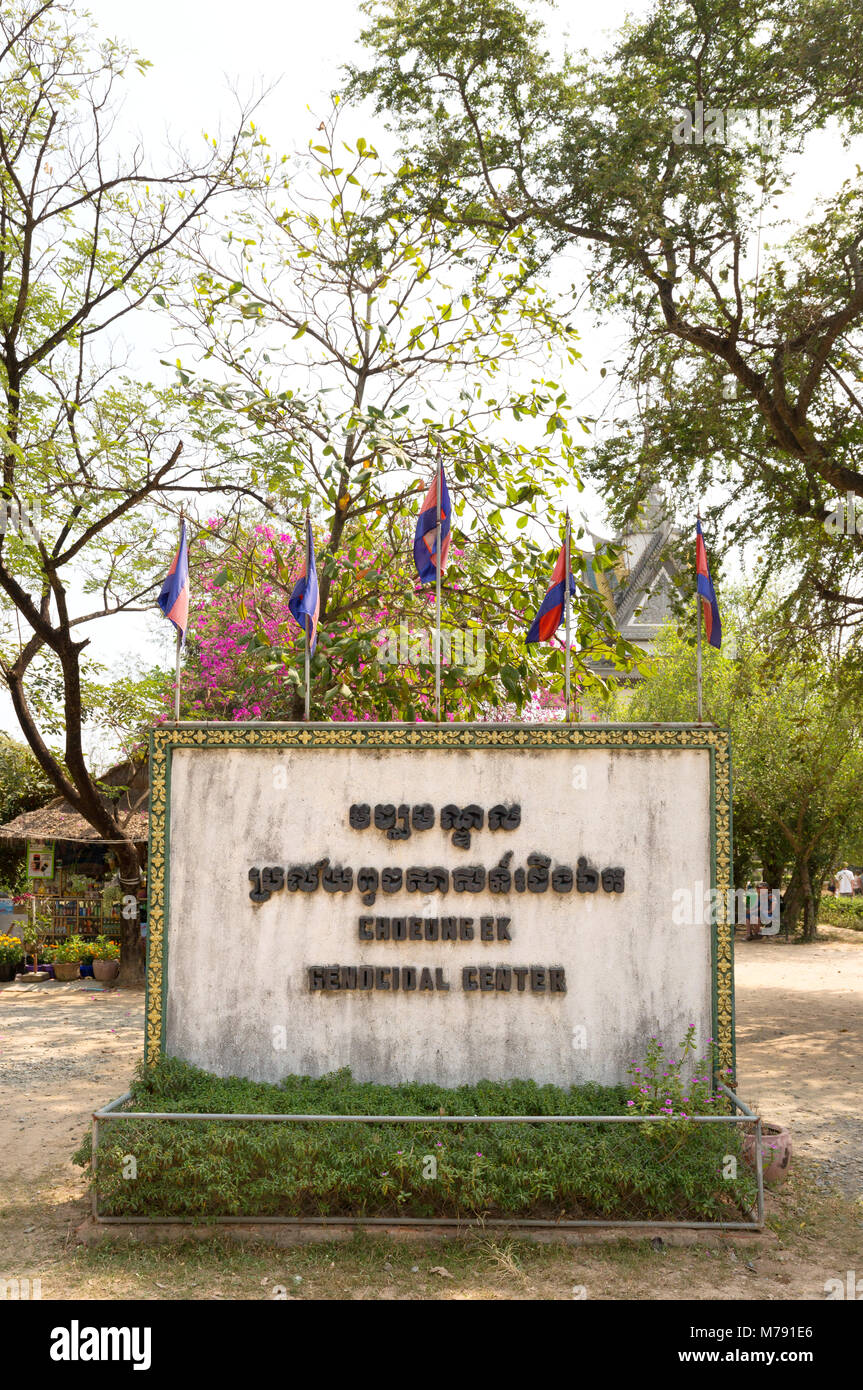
(165,739)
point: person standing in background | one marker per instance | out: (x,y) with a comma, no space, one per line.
(753,925)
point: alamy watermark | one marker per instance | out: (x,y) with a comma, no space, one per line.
(737,129)
(25,518)
(698,906)
(846,519)
(402,646)
(850,1288)
(15,1290)
(77,1343)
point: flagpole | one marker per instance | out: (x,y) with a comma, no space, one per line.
(566,599)
(177,682)
(308,639)
(308,629)
(698,665)
(698,631)
(179,648)
(437,589)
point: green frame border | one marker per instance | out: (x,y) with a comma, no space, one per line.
(165,738)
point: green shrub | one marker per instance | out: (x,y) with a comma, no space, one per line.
(105,949)
(69,952)
(666,1169)
(841,912)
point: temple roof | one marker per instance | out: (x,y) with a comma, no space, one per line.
(638,591)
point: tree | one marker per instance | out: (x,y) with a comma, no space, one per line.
(90,456)
(661,163)
(796,723)
(23,787)
(344,344)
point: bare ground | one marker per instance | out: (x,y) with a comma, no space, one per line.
(64,1049)
(800,1046)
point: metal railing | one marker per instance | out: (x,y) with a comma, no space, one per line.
(111,1113)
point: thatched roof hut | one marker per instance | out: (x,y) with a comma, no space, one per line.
(60,821)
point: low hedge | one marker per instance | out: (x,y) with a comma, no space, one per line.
(841,912)
(661,1170)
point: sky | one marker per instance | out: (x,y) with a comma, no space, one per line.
(204,52)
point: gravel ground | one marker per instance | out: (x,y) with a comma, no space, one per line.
(800,1047)
(64,1049)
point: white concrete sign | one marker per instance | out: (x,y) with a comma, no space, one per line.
(438,914)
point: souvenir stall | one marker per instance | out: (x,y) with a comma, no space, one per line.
(71,907)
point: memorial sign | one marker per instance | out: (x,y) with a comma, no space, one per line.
(434,903)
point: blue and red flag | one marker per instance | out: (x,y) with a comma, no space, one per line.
(174,596)
(706,592)
(305,600)
(550,615)
(425,539)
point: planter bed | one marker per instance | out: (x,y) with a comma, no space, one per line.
(361,1161)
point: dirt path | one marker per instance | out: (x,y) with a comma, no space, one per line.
(64,1049)
(67,1048)
(800,1047)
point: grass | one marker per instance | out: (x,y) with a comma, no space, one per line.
(817,1235)
(668,1169)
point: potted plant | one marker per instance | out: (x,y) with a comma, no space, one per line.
(11,955)
(106,959)
(33,930)
(67,956)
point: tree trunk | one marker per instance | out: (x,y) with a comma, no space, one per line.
(792,903)
(810,914)
(133,947)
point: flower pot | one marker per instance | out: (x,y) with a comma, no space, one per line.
(65,970)
(9,969)
(105,969)
(775,1151)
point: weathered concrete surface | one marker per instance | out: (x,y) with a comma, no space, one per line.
(289,1234)
(238,995)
